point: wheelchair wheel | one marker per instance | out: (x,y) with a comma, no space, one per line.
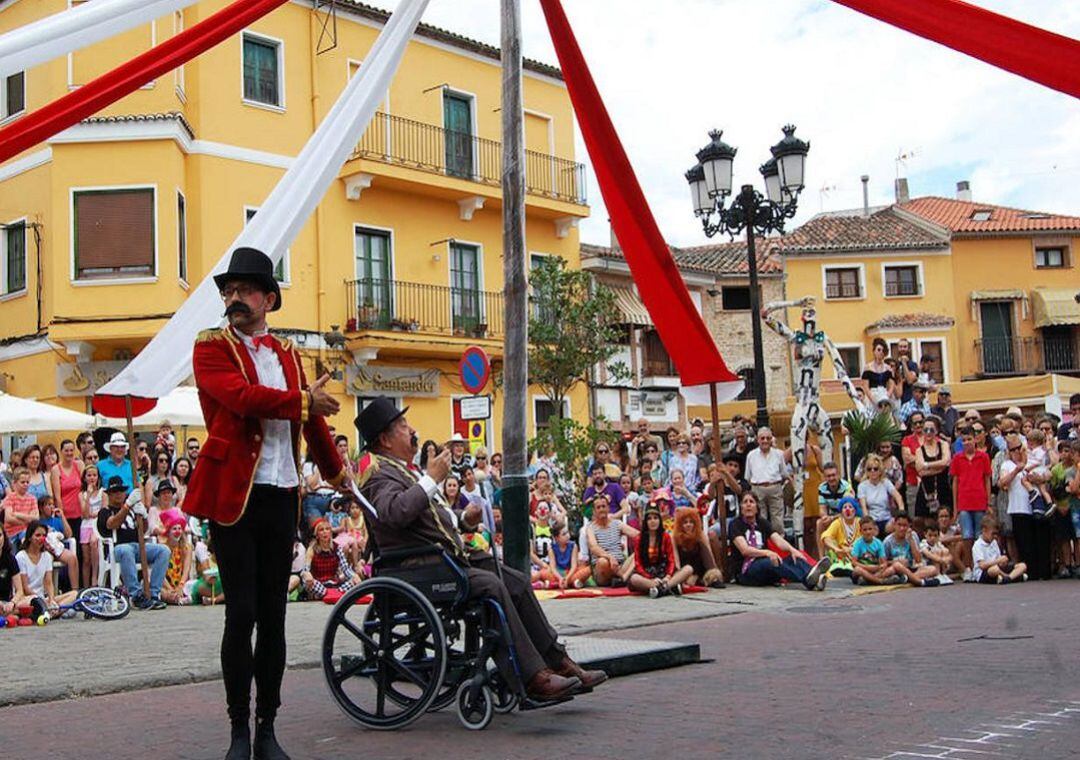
(103,603)
(384,663)
(475,713)
(505,698)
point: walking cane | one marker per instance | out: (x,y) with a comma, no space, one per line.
(140,523)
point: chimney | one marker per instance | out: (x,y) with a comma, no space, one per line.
(963,191)
(865,194)
(902,194)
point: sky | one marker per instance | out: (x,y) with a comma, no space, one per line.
(870,98)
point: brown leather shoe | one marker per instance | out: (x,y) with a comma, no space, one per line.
(588,678)
(547,685)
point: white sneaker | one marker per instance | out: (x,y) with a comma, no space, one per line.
(968,576)
(945,580)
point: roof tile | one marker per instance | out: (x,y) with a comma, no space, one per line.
(719,259)
(918,319)
(963,217)
(881,230)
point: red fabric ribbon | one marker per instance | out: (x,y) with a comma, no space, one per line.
(1036,54)
(662,290)
(266,341)
(128,77)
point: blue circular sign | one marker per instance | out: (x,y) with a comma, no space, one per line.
(474,369)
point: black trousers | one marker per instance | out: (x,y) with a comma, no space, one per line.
(254,557)
(1034,544)
(535,641)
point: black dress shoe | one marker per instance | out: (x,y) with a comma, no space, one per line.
(240,745)
(266,746)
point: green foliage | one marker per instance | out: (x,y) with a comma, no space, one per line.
(571,444)
(866,435)
(572,328)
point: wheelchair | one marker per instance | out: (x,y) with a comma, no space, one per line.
(419,645)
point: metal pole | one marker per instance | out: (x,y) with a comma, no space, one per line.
(515,492)
(718,460)
(749,204)
(140,523)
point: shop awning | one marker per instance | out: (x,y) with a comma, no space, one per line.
(1055,306)
(631,307)
(1008,294)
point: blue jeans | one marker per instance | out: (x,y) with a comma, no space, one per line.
(157,555)
(762,572)
(316,505)
(970,523)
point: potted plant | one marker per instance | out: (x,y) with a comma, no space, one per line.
(480,330)
(866,435)
(368,314)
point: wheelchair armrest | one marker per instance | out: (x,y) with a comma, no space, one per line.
(394,556)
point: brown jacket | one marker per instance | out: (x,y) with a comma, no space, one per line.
(406,517)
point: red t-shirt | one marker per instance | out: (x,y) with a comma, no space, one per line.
(970,474)
(911,443)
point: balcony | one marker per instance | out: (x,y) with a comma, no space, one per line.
(428,148)
(1004,357)
(411,307)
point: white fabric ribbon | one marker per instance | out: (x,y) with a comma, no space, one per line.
(166,360)
(69,30)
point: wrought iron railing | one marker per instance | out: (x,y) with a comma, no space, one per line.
(427,147)
(1028,355)
(376,304)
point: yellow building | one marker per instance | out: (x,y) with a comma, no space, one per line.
(109,224)
(980,291)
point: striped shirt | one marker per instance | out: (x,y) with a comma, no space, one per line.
(609,538)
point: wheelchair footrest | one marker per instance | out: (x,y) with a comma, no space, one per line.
(536,704)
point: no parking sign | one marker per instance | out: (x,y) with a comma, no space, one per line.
(474,369)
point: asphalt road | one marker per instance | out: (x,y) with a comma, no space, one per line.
(960,672)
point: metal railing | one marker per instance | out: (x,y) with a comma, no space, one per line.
(375,304)
(427,147)
(843,290)
(1024,356)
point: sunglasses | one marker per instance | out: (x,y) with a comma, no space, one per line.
(977,431)
(603,451)
(873,469)
(481,459)
(1016,448)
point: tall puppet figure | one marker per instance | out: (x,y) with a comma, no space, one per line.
(811,346)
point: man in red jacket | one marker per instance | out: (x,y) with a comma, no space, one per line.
(256,403)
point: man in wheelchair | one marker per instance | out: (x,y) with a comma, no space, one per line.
(411,511)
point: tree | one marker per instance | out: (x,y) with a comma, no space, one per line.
(571,328)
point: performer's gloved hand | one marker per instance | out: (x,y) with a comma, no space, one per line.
(135,502)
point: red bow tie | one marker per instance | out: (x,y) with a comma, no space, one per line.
(264,340)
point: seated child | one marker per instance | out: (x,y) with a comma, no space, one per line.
(179,570)
(840,535)
(868,552)
(902,549)
(991,566)
(206,589)
(326,566)
(935,553)
(352,538)
(564,561)
(952,538)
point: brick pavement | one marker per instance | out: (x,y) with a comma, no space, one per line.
(941,673)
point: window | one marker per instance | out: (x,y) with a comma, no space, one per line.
(981,215)
(115,233)
(1050,258)
(181,235)
(655,359)
(281,269)
(735,298)
(263,71)
(749,391)
(457,121)
(13,94)
(465,286)
(931,360)
(373,286)
(902,280)
(852,356)
(544,410)
(14,261)
(843,282)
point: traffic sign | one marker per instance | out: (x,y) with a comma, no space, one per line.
(474,369)
(476,408)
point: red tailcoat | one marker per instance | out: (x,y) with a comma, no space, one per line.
(233,405)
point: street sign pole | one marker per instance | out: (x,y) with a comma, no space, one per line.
(515,481)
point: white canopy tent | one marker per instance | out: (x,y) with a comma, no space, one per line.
(180,408)
(21,415)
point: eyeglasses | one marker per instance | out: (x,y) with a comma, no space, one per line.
(242,289)
(1016,448)
(481,459)
(873,469)
(977,431)
(603,451)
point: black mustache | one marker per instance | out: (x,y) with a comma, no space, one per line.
(414,439)
(237,307)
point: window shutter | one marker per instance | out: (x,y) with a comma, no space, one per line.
(114,233)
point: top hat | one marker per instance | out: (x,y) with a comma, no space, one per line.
(164,485)
(116,483)
(255,266)
(376,417)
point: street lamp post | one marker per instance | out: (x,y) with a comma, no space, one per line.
(710,185)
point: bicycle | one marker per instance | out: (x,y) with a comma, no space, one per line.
(95,602)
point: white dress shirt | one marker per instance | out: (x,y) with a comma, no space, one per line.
(765,469)
(277,465)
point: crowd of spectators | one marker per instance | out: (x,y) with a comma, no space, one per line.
(961,496)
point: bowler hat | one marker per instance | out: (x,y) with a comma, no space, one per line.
(116,483)
(252,265)
(376,417)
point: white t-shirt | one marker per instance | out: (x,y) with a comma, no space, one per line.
(981,551)
(1018,495)
(765,468)
(878,498)
(35,573)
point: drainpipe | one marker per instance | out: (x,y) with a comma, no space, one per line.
(319,292)
(865,194)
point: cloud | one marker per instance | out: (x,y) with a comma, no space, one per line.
(861,91)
